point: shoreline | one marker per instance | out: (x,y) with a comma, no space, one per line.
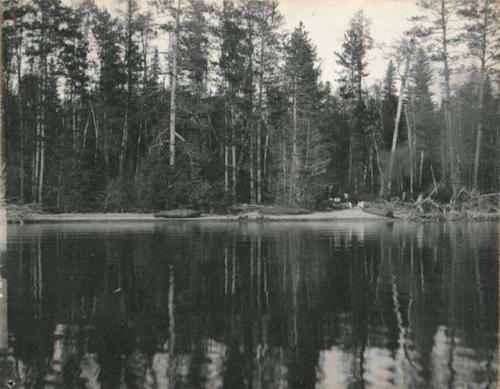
(28,215)
(40,218)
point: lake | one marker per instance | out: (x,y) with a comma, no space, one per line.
(253,305)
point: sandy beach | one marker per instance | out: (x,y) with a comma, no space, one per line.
(37,217)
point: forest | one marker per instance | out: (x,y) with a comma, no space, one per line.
(200,104)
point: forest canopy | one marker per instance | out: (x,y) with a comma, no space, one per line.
(189,103)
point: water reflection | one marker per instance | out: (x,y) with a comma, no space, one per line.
(220,305)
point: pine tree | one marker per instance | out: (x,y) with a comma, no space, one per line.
(232,67)
(303,90)
(421,81)
(407,49)
(146,33)
(268,50)
(194,46)
(13,55)
(439,31)
(111,82)
(481,36)
(352,59)
(357,42)
(389,103)
(422,112)
(390,81)
(132,64)
(50,25)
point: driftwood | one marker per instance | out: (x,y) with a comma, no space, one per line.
(464,205)
(178,213)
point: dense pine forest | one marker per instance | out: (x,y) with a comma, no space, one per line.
(189,103)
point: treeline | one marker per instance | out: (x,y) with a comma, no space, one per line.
(99,115)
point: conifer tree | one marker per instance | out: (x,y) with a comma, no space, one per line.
(438,30)
(389,103)
(353,61)
(422,111)
(390,80)
(482,38)
(232,67)
(302,87)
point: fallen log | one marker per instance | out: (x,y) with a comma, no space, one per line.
(283,210)
(178,213)
(267,209)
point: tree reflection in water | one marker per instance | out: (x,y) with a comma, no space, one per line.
(254,305)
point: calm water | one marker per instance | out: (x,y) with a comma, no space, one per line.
(278,305)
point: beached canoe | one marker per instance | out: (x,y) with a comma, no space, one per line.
(386,212)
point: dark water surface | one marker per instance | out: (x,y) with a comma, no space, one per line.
(278,305)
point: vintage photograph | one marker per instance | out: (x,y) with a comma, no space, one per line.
(249,194)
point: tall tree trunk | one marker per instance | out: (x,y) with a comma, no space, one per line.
(96,131)
(482,76)
(106,146)
(84,143)
(138,153)
(350,167)
(377,154)
(142,119)
(233,152)
(226,171)
(379,166)
(395,133)
(226,154)
(295,152)
(259,152)
(173,84)
(42,134)
(250,121)
(73,118)
(265,160)
(284,164)
(371,170)
(21,115)
(410,145)
(42,159)
(447,97)
(36,158)
(260,120)
(366,167)
(3,186)
(421,168)
(308,133)
(123,147)
(42,106)
(251,167)
(59,186)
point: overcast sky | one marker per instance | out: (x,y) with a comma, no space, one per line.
(327,20)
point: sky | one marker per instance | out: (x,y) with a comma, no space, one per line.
(327,20)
